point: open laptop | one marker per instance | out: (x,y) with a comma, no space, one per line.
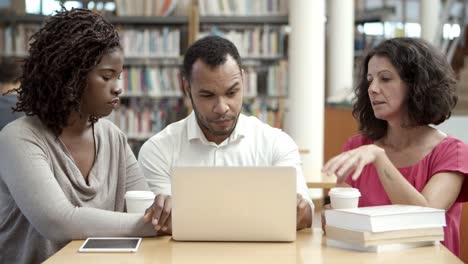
(234,203)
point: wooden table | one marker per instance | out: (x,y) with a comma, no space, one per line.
(308,248)
(324,182)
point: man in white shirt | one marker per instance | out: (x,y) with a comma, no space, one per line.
(216,133)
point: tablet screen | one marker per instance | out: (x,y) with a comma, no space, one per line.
(111,244)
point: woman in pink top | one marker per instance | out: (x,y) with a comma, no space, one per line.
(404,86)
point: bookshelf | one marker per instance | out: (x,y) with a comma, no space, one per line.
(152,96)
(154,46)
(14,32)
(242,20)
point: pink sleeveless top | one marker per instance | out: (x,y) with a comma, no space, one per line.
(450,155)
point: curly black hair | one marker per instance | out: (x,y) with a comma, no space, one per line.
(430,80)
(212,50)
(61,54)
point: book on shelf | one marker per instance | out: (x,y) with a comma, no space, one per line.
(252,41)
(250,82)
(153,42)
(385,218)
(156,82)
(151,7)
(277,79)
(242,7)
(13,6)
(14,40)
(140,118)
(6,40)
(267,80)
(365,238)
(268,110)
(380,248)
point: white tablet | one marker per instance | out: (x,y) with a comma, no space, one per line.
(111,244)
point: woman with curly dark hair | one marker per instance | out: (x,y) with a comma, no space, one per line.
(63,170)
(406,85)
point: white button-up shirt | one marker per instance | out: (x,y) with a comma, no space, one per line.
(183,144)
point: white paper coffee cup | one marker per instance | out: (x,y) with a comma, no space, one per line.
(138,201)
(343,198)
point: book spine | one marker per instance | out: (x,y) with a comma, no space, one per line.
(151,42)
(140,121)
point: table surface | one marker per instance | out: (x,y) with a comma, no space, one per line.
(308,248)
(324,182)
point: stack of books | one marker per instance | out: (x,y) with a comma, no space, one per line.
(384,228)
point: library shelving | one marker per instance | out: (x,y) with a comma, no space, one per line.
(154,46)
(150,79)
(152,95)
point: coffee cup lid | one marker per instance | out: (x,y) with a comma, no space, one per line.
(344,192)
(139,195)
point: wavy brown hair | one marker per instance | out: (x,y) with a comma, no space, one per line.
(61,54)
(430,80)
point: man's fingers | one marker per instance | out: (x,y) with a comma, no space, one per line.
(148,215)
(166,211)
(158,206)
(298,198)
(301,205)
(322,216)
(300,210)
(167,227)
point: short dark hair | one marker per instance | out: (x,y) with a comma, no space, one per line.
(430,80)
(10,70)
(212,50)
(61,54)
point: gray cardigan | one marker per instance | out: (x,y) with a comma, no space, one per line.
(44,200)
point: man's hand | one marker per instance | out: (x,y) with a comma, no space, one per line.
(304,213)
(324,223)
(160,214)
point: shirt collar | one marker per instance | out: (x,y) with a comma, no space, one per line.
(194,131)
